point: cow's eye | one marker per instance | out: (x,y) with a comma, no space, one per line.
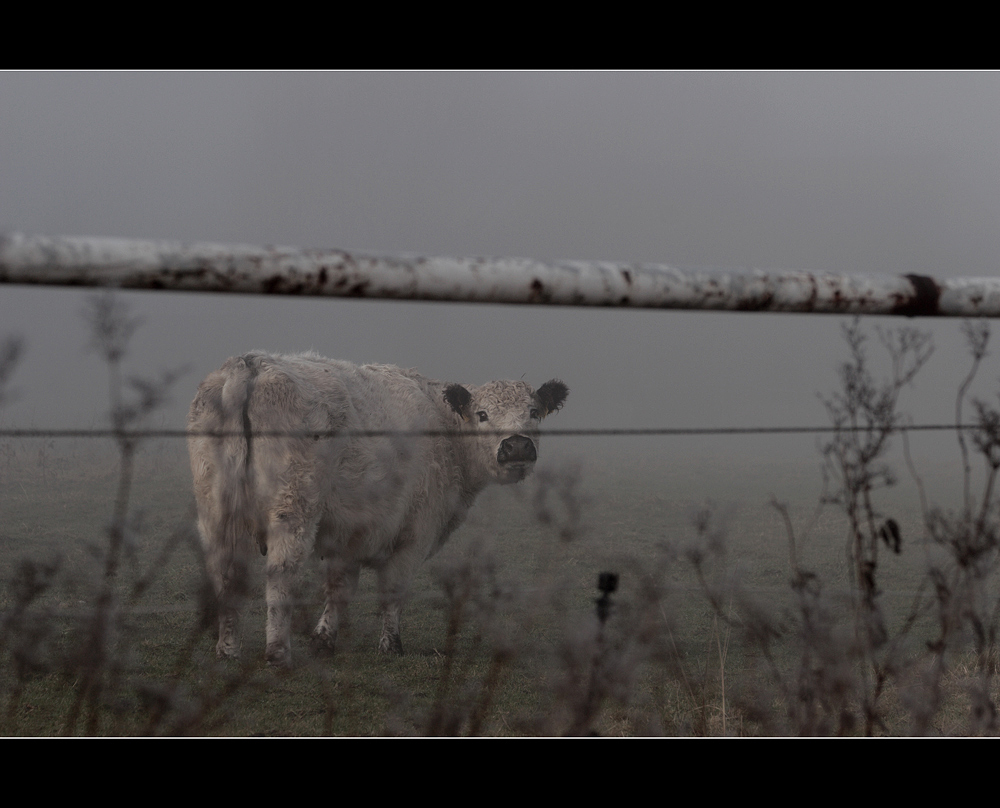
(483,416)
(534,414)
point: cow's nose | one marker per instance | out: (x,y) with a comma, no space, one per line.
(517,449)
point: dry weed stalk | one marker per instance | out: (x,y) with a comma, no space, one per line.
(865,414)
(497,613)
(847,661)
(94,648)
(962,573)
(843,667)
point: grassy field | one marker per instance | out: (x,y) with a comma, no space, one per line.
(709,630)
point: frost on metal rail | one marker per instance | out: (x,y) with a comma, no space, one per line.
(130,264)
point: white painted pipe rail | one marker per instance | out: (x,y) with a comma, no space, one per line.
(131,264)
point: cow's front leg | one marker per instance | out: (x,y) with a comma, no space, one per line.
(341,584)
(394,579)
(285,549)
(390,642)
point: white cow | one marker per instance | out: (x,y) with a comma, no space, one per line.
(385,500)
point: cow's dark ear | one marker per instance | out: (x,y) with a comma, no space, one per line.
(458,399)
(552,394)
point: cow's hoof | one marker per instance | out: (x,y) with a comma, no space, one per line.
(391,645)
(227,651)
(278,656)
(322,644)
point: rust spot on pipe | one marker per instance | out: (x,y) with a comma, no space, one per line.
(538,293)
(762,303)
(924,303)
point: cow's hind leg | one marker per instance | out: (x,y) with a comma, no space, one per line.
(286,545)
(341,584)
(228,566)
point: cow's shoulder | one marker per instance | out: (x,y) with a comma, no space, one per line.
(404,382)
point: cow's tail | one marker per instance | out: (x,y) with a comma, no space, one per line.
(221,444)
(243,522)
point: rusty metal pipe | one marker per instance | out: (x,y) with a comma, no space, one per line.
(133,264)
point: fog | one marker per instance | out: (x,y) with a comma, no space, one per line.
(846,172)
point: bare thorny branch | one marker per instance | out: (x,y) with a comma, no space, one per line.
(839,680)
(867,413)
(112,327)
(955,591)
(963,594)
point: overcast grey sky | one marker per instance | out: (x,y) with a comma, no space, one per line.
(847,172)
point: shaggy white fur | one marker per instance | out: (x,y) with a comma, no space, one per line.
(385,501)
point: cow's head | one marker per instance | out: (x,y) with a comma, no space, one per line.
(506,416)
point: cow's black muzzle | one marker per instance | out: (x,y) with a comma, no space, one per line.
(517,449)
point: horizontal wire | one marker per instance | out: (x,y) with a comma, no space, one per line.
(133,434)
